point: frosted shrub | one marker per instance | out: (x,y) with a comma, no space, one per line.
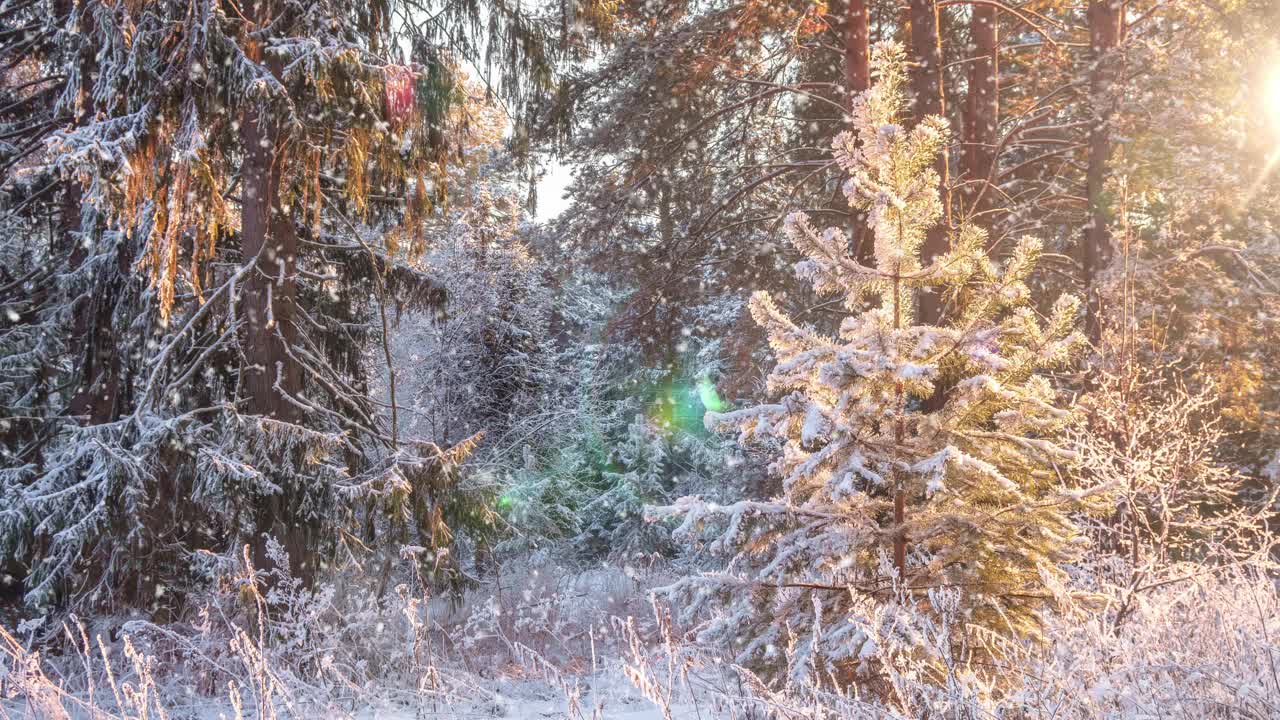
(282,652)
(1201,643)
(1156,444)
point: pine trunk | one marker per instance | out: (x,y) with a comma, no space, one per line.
(1104,36)
(271,378)
(857,72)
(982,111)
(899,435)
(928,99)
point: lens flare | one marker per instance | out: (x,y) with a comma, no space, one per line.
(707,393)
(679,406)
(1271,99)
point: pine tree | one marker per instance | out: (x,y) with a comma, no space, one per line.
(240,186)
(885,492)
(213,393)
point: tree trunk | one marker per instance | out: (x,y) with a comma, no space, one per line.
(899,435)
(928,99)
(982,111)
(926,54)
(857,74)
(271,378)
(1104,36)
(99,370)
(267,298)
(97,397)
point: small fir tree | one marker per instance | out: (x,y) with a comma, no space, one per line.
(638,472)
(913,456)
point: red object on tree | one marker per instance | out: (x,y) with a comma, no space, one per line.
(398,98)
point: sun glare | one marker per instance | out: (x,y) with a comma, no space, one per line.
(1271,99)
(1271,107)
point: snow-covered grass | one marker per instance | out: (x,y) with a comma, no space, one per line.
(551,642)
(1193,644)
(542,641)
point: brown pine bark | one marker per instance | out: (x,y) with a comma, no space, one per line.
(267,299)
(270,377)
(928,98)
(899,435)
(857,43)
(857,73)
(982,111)
(1104,18)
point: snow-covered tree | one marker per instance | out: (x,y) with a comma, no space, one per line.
(484,360)
(235,189)
(468,373)
(914,456)
(637,475)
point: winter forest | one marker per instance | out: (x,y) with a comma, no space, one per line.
(639,359)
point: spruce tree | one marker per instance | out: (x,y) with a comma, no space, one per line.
(913,457)
(238,191)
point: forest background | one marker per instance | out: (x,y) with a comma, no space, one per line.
(293,371)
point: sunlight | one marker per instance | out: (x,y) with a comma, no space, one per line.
(1271,108)
(1271,100)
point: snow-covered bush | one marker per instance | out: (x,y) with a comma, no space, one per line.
(605,436)
(483,361)
(260,645)
(1156,445)
(1201,645)
(648,466)
(588,485)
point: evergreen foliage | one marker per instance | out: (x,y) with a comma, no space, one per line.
(239,191)
(914,456)
(287,350)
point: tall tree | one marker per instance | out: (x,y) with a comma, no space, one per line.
(731,101)
(1105,19)
(857,64)
(963,495)
(271,375)
(928,99)
(243,184)
(982,111)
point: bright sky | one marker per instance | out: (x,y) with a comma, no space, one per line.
(551,200)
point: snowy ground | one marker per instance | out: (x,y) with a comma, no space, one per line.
(577,644)
(546,643)
(605,695)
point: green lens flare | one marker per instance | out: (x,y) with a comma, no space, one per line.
(680,406)
(708,395)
